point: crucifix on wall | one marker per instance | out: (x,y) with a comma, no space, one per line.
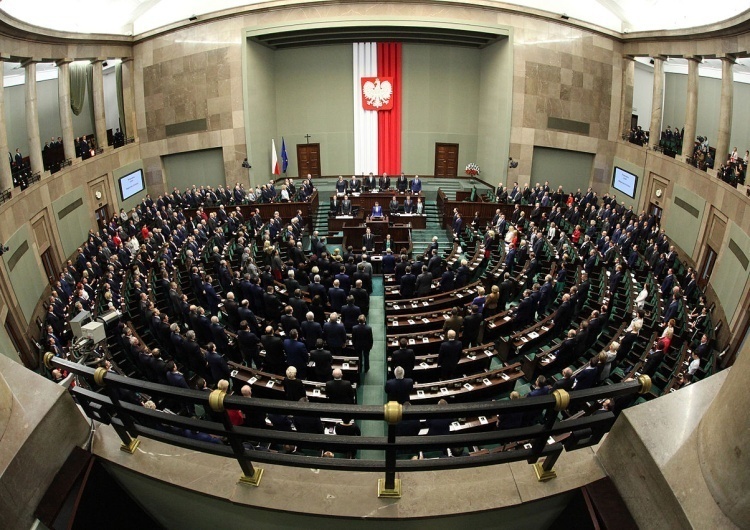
(307,137)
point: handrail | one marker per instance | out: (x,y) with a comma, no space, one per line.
(130,421)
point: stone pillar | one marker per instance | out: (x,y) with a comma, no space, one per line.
(66,114)
(100,123)
(657,100)
(626,99)
(691,108)
(128,97)
(724,443)
(6,174)
(32,118)
(725,110)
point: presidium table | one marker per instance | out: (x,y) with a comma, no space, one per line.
(398,225)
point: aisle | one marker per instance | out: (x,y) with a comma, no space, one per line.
(371,392)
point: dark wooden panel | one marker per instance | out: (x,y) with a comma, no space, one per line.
(308,160)
(446,160)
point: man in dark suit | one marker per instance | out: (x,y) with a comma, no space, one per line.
(384,182)
(704,348)
(350,313)
(275,361)
(371,183)
(545,296)
(368,241)
(667,284)
(457,225)
(653,360)
(389,262)
(346,206)
(564,354)
(672,310)
(424,282)
(340,390)
(524,311)
(563,316)
(322,359)
(337,296)
(404,357)
(296,353)
(334,334)
(583,292)
(402,183)
(217,364)
(462,274)
(449,355)
(310,331)
(407,285)
(399,388)
(362,342)
(472,327)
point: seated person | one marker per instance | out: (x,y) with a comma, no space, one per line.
(377,210)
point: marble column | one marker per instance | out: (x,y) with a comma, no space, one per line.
(725,111)
(32,118)
(128,97)
(691,108)
(100,123)
(657,100)
(626,99)
(724,443)
(6,174)
(66,114)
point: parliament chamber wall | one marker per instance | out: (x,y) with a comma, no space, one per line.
(210,71)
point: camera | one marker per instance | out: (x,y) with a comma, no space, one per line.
(512,163)
(246,164)
(3,249)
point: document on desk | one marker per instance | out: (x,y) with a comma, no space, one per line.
(505,377)
(253,380)
(412,341)
(487,381)
(411,322)
(271,383)
(316,391)
(468,386)
(420,393)
(483,420)
(443,390)
(426,320)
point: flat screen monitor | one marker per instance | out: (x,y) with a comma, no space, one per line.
(624,181)
(131,184)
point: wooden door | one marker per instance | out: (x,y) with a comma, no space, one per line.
(102,217)
(704,273)
(308,160)
(446,160)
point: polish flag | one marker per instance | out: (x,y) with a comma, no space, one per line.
(274,159)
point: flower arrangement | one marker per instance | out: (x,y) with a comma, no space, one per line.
(472,169)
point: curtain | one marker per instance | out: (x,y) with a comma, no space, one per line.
(78,74)
(120,99)
(90,90)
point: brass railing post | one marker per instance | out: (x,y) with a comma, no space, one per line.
(390,486)
(544,470)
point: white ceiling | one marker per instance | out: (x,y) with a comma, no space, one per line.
(134,17)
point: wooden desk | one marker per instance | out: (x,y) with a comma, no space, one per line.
(473,360)
(336,224)
(272,386)
(472,388)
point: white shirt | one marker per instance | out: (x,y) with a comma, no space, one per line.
(694,365)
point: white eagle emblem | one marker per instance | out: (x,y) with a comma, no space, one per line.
(377,94)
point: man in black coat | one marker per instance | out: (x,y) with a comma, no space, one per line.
(362,342)
(340,390)
(361,297)
(472,327)
(275,361)
(564,354)
(404,357)
(334,334)
(524,311)
(399,388)
(449,355)
(562,317)
(311,331)
(322,359)
(583,292)
(408,284)
(424,282)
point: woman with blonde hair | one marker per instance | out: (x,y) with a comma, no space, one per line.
(491,302)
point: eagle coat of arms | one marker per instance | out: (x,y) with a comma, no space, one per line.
(377,93)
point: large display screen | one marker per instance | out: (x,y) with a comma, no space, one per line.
(624,181)
(131,184)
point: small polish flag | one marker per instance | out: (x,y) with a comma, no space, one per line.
(274,159)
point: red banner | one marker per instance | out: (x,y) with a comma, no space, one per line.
(389,123)
(377,93)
